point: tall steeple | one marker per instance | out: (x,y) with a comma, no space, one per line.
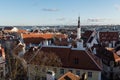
(78,29)
(78,22)
(79,40)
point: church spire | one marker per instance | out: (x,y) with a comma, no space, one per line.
(79,22)
(78,29)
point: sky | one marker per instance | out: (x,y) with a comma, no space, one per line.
(59,12)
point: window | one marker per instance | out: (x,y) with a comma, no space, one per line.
(89,74)
(77,72)
(61,71)
(76,61)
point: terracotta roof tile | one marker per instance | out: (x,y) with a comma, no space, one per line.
(69,75)
(113,54)
(63,42)
(60,35)
(22,31)
(110,55)
(108,36)
(61,52)
(36,38)
(85,60)
(68,56)
(87,34)
(116,57)
(38,35)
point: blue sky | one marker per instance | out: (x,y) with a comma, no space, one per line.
(59,12)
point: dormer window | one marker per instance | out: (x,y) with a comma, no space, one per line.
(76,61)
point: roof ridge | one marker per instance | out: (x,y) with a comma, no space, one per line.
(93,59)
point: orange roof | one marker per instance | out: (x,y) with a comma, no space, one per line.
(35,38)
(69,75)
(22,31)
(116,57)
(38,35)
(109,55)
(60,35)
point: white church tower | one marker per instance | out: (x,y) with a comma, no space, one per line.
(79,40)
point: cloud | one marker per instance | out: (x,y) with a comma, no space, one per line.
(96,19)
(117,6)
(50,9)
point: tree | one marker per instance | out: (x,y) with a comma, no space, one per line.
(40,60)
(18,66)
(47,59)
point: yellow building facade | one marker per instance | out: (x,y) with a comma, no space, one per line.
(39,72)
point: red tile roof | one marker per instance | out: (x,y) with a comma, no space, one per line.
(107,54)
(61,52)
(22,31)
(60,36)
(86,60)
(108,36)
(68,55)
(114,55)
(63,42)
(69,75)
(36,38)
(38,35)
(87,34)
